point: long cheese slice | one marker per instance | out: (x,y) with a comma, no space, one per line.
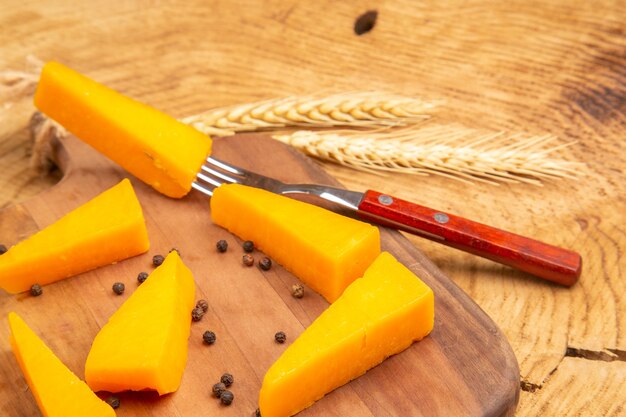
(154,147)
(324,249)
(106,229)
(144,344)
(58,392)
(378,315)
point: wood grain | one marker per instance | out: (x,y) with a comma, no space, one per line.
(476,371)
(541,67)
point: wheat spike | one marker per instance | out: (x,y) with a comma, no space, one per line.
(448,150)
(348,109)
(452,151)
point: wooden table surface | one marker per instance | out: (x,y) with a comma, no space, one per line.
(552,67)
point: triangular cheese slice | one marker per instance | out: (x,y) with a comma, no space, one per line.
(106,229)
(144,344)
(377,316)
(324,249)
(58,392)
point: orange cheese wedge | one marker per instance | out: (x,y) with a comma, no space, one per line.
(58,392)
(106,229)
(156,148)
(324,249)
(144,344)
(378,315)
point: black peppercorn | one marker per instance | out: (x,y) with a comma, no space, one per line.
(203,305)
(297,290)
(118,288)
(265,264)
(3,249)
(227,379)
(247,260)
(221,245)
(257,413)
(248,246)
(157,260)
(113,401)
(175,249)
(197,314)
(218,389)
(142,277)
(36,290)
(227,397)
(280,337)
(209,338)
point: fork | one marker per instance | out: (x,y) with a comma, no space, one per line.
(545,261)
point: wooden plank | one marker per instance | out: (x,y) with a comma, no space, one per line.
(476,371)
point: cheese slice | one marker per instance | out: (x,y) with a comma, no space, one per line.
(324,249)
(58,392)
(154,147)
(377,316)
(106,229)
(144,344)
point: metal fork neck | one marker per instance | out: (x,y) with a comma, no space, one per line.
(345,198)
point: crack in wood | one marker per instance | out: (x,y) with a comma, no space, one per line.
(605,355)
(529,386)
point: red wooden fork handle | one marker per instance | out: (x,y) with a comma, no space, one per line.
(540,259)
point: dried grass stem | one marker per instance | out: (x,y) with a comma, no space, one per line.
(448,150)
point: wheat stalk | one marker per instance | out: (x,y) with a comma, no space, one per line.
(449,150)
(452,151)
(15,84)
(348,109)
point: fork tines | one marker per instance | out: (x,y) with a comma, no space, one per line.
(211,175)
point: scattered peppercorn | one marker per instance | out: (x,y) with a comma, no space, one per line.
(227,397)
(257,413)
(221,245)
(157,260)
(209,338)
(197,314)
(175,249)
(248,246)
(280,337)
(3,249)
(203,305)
(218,389)
(118,288)
(227,379)
(265,264)
(113,401)
(247,260)
(297,290)
(142,277)
(36,290)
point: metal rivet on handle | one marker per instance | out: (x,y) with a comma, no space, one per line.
(385,200)
(441,218)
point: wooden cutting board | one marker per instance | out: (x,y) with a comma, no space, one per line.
(464,368)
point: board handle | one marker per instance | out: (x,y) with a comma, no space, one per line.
(545,261)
